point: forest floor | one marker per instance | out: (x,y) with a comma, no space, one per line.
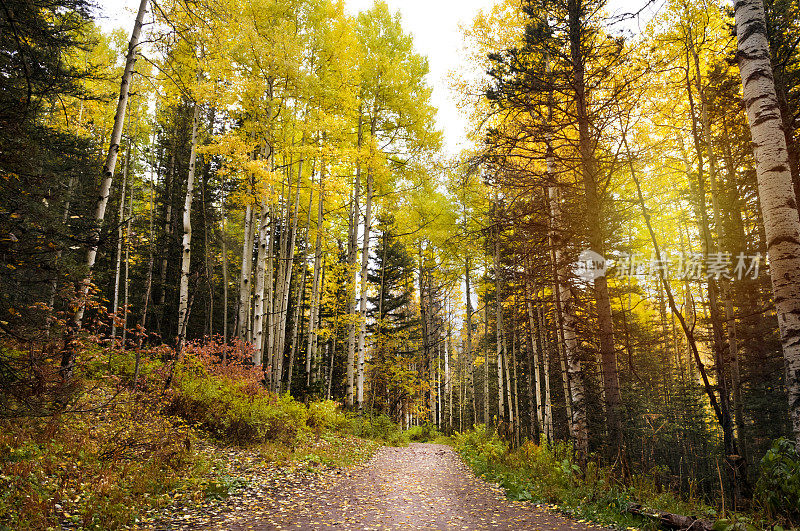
(422,486)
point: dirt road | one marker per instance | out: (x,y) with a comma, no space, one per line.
(424,486)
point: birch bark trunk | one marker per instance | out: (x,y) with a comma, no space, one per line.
(546,348)
(534,355)
(448,383)
(352,252)
(118,269)
(573,381)
(499,335)
(291,218)
(245,277)
(68,355)
(589,173)
(269,280)
(486,366)
(364,265)
(468,355)
(778,203)
(126,285)
(169,185)
(149,283)
(313,321)
(224,242)
(299,312)
(258,293)
(507,358)
(514,347)
(186,244)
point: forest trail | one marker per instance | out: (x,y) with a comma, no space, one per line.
(423,486)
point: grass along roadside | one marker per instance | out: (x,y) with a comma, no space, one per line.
(108,456)
(546,474)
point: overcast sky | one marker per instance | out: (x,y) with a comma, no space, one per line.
(435,26)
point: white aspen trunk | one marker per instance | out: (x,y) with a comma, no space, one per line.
(333,354)
(149,284)
(186,246)
(579,429)
(318,375)
(363,290)
(778,203)
(432,340)
(298,315)
(468,357)
(363,294)
(438,380)
(224,242)
(514,346)
(269,306)
(329,378)
(498,328)
(280,272)
(461,388)
(298,312)
(537,387)
(448,382)
(486,366)
(118,269)
(126,289)
(548,403)
(534,427)
(105,185)
(244,279)
(427,356)
(313,340)
(291,217)
(352,252)
(168,186)
(258,292)
(506,362)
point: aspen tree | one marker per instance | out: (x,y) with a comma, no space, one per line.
(109,166)
(778,204)
(118,268)
(68,352)
(186,243)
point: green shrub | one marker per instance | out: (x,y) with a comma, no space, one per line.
(377,427)
(326,416)
(778,487)
(423,433)
(236,412)
(546,473)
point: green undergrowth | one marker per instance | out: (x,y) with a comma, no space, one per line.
(426,433)
(103,453)
(548,474)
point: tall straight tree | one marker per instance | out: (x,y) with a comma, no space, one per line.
(778,202)
(68,354)
(581,37)
(186,242)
